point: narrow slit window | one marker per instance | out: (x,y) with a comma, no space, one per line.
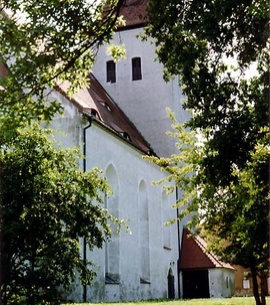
(136,68)
(111,73)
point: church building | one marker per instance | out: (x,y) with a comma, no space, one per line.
(125,110)
(142,263)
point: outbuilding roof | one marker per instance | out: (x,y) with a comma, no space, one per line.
(194,254)
(94,101)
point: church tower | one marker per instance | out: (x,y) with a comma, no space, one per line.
(136,83)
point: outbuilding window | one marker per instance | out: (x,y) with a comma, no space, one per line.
(136,68)
(111,73)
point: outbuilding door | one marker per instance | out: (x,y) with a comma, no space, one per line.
(195,284)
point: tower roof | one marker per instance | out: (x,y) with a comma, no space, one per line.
(134,13)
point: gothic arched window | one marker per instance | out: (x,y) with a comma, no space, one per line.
(112,247)
(144,235)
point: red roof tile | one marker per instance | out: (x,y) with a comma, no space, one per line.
(95,101)
(195,256)
(3,70)
(134,12)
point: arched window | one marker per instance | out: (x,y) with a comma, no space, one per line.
(144,235)
(136,68)
(112,249)
(111,71)
(166,229)
(171,291)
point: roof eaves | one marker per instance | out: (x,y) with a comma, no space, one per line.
(88,102)
(131,26)
(149,151)
(107,127)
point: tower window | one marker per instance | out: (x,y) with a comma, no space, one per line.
(136,68)
(111,74)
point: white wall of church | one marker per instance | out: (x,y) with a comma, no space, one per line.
(149,251)
(144,262)
(145,100)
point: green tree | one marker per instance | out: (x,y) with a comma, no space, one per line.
(45,212)
(220,49)
(43,43)
(234,218)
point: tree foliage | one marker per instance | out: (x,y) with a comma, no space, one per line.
(42,42)
(48,204)
(213,46)
(220,49)
(233,218)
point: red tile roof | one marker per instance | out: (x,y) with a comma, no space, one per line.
(195,256)
(3,70)
(94,101)
(134,12)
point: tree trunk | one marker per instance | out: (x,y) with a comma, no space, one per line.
(255,286)
(1,269)
(264,285)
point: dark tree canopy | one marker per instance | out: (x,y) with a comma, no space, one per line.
(220,49)
(47,205)
(47,41)
(200,40)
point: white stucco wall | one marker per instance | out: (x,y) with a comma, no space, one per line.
(221,283)
(144,101)
(103,150)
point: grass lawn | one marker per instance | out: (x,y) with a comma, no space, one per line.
(231,301)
